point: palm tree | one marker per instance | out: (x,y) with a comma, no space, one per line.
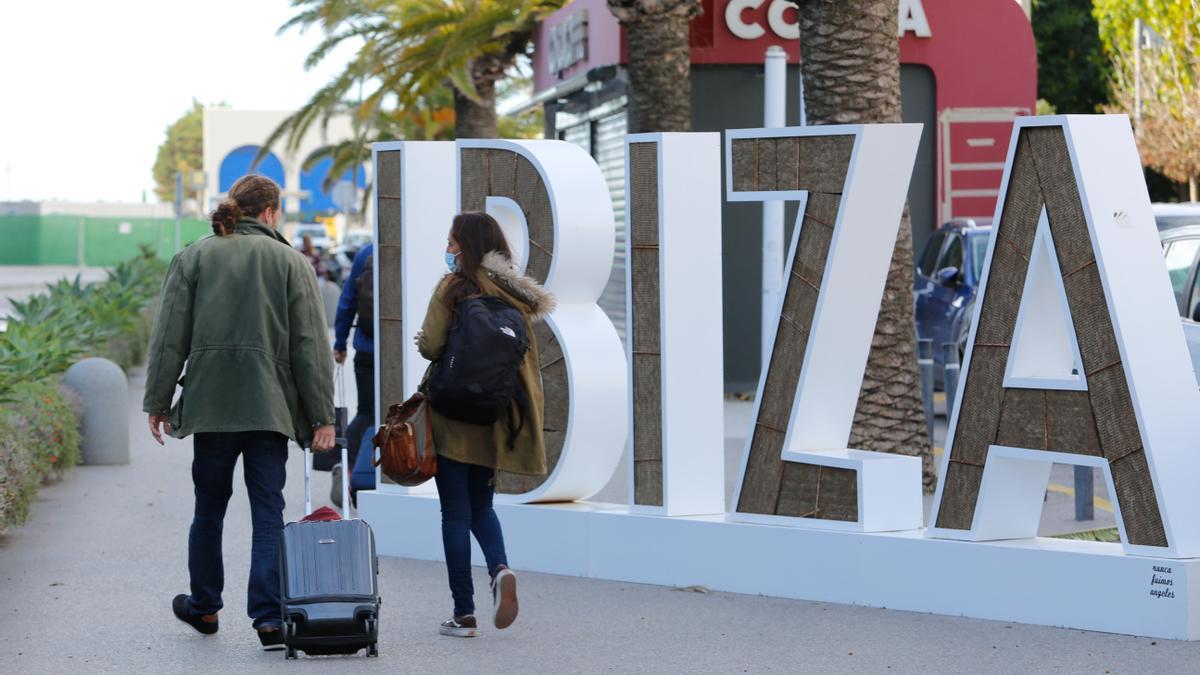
(431,120)
(659,62)
(852,75)
(410,51)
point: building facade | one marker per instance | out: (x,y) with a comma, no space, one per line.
(967,70)
(232,140)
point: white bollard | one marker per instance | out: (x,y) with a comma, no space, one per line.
(105,425)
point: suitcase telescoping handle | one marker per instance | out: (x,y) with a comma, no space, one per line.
(308,464)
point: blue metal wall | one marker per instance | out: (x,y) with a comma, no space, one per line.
(319,202)
(240,162)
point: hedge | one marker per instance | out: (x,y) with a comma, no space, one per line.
(39,416)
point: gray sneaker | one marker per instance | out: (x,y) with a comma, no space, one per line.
(504,598)
(335,485)
(459,626)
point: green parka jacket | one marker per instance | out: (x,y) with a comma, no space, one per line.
(488,445)
(243,311)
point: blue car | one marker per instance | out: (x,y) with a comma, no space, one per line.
(947,278)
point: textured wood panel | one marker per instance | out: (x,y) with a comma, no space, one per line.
(816,163)
(556,409)
(503,173)
(645,331)
(390,341)
(770,485)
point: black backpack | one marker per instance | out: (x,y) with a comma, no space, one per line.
(366,298)
(479,374)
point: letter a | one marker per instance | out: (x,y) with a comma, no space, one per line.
(1076,353)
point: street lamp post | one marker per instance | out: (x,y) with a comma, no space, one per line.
(1137,71)
(774,116)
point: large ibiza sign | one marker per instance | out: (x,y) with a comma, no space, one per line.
(1076,356)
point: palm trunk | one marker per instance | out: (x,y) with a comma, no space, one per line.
(852,76)
(659,62)
(476,120)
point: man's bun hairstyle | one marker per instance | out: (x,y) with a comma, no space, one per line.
(250,196)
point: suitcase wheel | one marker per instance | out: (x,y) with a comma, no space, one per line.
(289,630)
(372,649)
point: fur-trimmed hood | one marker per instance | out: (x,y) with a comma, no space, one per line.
(500,270)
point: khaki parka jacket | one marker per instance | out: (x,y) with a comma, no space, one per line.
(488,445)
(244,314)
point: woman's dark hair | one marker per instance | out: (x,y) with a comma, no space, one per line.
(249,196)
(477,235)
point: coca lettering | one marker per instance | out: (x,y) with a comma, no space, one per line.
(911,14)
(912,18)
(753,31)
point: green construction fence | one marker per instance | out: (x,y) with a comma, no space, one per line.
(55,239)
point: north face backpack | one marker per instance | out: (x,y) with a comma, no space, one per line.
(478,375)
(366,298)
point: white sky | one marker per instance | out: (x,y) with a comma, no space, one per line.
(87,88)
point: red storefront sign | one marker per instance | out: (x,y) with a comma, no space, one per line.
(981,53)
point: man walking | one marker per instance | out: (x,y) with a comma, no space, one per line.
(242,311)
(357,302)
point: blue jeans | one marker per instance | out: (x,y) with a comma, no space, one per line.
(364,414)
(264,463)
(465,491)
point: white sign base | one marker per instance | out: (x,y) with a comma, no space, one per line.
(1053,582)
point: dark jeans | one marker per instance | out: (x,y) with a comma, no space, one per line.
(465,491)
(264,463)
(364,414)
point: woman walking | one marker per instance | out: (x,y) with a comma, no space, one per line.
(241,308)
(469,455)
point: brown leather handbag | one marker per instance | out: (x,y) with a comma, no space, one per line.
(405,443)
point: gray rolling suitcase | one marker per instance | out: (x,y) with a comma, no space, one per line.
(329,581)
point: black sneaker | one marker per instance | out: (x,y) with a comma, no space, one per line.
(271,638)
(504,598)
(180,606)
(459,626)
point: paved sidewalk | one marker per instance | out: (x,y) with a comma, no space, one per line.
(86,587)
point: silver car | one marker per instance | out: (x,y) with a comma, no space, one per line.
(1181,251)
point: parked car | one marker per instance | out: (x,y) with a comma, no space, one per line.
(1181,251)
(947,278)
(1168,216)
(355,240)
(320,236)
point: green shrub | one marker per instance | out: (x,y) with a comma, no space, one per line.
(49,332)
(39,418)
(39,440)
(1106,534)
